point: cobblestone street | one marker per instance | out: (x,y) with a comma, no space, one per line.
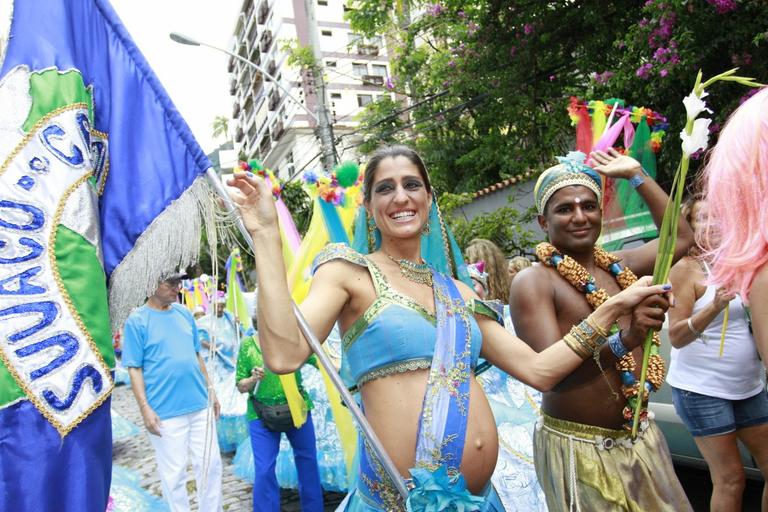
(136,453)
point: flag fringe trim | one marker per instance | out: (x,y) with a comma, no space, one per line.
(170,242)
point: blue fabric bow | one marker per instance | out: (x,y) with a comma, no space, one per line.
(435,491)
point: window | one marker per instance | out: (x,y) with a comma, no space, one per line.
(326,33)
(322,2)
(359,69)
(364,99)
(330,63)
(379,70)
(335,95)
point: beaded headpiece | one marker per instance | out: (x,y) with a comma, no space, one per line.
(570,171)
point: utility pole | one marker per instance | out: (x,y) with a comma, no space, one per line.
(324,127)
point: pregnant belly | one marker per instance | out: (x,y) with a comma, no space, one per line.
(393,407)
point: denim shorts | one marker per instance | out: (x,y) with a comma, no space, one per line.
(710,416)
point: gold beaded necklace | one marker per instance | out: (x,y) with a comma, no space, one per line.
(418,273)
(575,273)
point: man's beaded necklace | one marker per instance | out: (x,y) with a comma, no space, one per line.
(575,273)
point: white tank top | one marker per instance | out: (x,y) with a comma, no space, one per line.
(697,367)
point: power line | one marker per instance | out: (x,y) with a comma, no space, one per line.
(455,109)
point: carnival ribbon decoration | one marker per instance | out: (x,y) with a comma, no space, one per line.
(694,137)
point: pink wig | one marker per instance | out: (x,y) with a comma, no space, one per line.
(735,182)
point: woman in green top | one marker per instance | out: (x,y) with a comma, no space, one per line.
(265,386)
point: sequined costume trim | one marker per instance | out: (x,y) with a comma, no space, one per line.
(493,309)
(394,368)
(338,252)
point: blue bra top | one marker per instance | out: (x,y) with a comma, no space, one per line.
(395,334)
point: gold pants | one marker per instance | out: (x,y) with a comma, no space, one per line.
(587,468)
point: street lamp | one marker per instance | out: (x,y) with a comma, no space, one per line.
(182,39)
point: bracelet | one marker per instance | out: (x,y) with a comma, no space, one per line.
(145,404)
(617,346)
(693,329)
(585,338)
(592,323)
(574,345)
(636,180)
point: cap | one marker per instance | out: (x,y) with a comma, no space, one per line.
(174,276)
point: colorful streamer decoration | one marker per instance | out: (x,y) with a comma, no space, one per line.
(641,131)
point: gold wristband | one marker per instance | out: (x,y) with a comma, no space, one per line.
(576,346)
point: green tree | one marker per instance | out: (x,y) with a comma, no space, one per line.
(299,204)
(489,80)
(504,226)
(220,126)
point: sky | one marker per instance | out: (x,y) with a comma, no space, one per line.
(195,77)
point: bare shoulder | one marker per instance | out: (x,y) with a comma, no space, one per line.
(531,283)
(339,272)
(684,268)
(761,279)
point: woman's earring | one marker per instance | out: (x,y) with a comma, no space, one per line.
(425,229)
(371,234)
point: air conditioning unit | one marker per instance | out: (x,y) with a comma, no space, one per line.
(263,12)
(277,130)
(274,100)
(265,144)
(266,41)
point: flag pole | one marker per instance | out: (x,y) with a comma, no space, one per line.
(322,356)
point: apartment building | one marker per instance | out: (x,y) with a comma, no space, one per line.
(268,123)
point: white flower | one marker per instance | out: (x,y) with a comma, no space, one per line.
(695,105)
(699,137)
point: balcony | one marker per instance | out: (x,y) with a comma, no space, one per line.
(239,134)
(266,41)
(372,80)
(231,65)
(232,86)
(235,110)
(371,50)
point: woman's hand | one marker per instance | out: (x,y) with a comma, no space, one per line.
(254,200)
(626,300)
(613,164)
(722,298)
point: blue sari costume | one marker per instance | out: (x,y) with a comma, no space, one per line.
(394,335)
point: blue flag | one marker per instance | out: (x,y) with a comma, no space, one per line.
(100,192)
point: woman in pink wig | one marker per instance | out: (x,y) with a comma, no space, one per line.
(736,186)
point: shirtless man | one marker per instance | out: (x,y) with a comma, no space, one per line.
(584,458)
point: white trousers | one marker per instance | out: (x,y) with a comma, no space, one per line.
(180,437)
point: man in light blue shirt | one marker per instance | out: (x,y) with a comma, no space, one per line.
(161,349)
